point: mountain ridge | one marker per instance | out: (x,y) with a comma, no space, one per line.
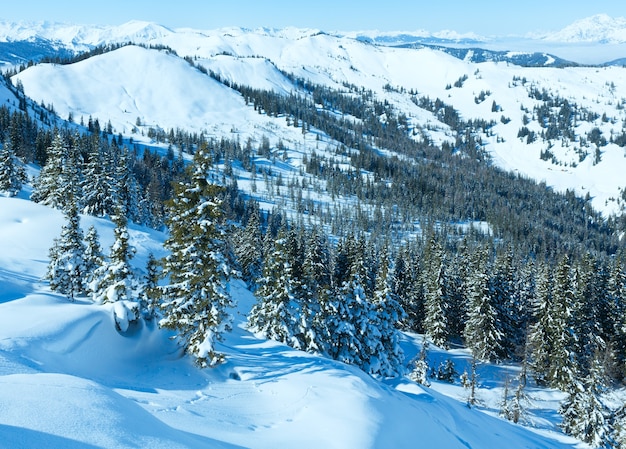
(477,84)
(600,29)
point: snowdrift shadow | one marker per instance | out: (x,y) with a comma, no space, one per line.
(14,285)
(12,437)
(252,358)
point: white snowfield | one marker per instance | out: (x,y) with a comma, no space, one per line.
(68,379)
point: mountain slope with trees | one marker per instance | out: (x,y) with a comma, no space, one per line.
(358,212)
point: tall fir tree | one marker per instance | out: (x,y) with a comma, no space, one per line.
(436,295)
(317,284)
(115,280)
(482,334)
(196,298)
(383,342)
(276,313)
(12,172)
(94,257)
(346,311)
(539,336)
(508,305)
(616,292)
(249,248)
(459,277)
(407,288)
(59,179)
(67,269)
(584,414)
(562,363)
(585,312)
(98,184)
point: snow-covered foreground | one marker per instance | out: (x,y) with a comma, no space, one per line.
(68,379)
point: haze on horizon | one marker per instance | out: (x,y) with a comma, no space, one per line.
(481,17)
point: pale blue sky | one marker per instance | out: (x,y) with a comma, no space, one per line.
(484,17)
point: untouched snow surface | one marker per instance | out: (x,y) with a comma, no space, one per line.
(68,379)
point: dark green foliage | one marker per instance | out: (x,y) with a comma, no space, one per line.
(562,368)
(436,297)
(278,310)
(196,299)
(114,280)
(248,247)
(150,292)
(446,371)
(482,330)
(67,270)
(584,414)
(59,180)
(407,287)
(12,172)
(93,254)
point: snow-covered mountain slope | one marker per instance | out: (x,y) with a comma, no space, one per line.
(145,84)
(599,28)
(69,379)
(80,37)
(164,91)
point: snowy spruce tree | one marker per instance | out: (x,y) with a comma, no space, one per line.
(249,247)
(12,172)
(195,298)
(617,296)
(482,335)
(317,283)
(150,292)
(114,280)
(67,268)
(93,254)
(386,358)
(407,287)
(584,414)
(347,320)
(420,370)
(539,335)
(508,305)
(562,361)
(436,295)
(277,311)
(98,184)
(59,179)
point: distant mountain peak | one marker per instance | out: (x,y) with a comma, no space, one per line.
(600,28)
(417,36)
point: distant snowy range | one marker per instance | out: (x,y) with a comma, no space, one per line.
(69,379)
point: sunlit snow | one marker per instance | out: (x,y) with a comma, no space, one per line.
(69,379)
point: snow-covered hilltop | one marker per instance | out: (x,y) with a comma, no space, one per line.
(599,28)
(163,91)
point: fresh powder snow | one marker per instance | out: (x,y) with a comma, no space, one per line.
(69,379)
